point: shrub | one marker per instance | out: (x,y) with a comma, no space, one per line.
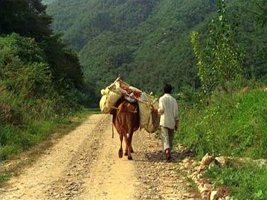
(30,104)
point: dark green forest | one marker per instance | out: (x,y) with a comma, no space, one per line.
(148,42)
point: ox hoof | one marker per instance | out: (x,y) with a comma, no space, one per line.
(130,158)
(120,153)
(126,152)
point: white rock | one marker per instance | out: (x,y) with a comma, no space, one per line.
(207,159)
(212,195)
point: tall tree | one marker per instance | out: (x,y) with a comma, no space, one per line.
(26,17)
(219,61)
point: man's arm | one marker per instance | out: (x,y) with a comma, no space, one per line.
(160,109)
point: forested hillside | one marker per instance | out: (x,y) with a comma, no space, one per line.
(147,42)
(47,1)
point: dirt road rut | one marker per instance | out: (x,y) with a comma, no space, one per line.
(84,165)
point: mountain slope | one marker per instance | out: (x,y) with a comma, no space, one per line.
(147,41)
(132,38)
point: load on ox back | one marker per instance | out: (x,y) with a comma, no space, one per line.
(148,105)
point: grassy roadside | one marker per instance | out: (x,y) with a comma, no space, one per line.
(246,181)
(231,124)
(49,132)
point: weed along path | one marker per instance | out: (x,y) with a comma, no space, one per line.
(84,165)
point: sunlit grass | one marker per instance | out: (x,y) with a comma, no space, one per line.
(245,182)
(232,124)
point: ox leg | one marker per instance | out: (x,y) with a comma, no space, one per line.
(128,151)
(129,138)
(120,153)
(129,154)
(126,143)
(130,141)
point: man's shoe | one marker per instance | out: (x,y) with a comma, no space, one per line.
(168,154)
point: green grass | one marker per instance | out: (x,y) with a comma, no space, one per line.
(231,124)
(246,182)
(18,141)
(4,177)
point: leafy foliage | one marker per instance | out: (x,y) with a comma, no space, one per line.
(232,124)
(64,64)
(219,60)
(249,20)
(27,17)
(25,76)
(30,104)
(40,79)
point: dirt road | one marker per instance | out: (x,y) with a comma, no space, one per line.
(84,165)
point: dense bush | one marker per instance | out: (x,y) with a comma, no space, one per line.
(28,18)
(29,103)
(25,76)
(41,80)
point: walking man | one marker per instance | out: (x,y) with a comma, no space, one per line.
(169,121)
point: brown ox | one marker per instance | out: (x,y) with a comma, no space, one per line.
(126,121)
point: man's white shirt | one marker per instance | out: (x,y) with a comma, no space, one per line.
(168,109)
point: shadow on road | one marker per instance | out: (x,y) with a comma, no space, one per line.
(159,156)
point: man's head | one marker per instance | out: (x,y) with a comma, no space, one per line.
(167,88)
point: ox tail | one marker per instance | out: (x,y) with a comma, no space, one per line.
(112,126)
